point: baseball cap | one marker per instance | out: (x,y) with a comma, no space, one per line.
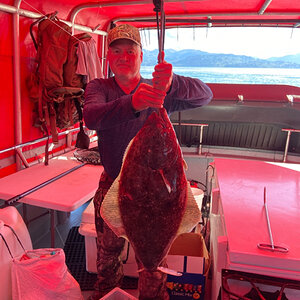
(124,31)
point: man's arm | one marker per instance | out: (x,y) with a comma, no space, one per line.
(146,96)
(103,107)
(181,92)
(187,93)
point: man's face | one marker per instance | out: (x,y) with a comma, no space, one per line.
(125,58)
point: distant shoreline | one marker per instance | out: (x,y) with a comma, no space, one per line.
(197,58)
(285,76)
(227,67)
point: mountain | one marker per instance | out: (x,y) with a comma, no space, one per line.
(288,58)
(197,58)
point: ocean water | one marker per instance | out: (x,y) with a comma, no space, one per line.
(236,75)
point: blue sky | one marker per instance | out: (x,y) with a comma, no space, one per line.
(255,42)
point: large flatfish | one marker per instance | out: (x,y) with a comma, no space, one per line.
(151,202)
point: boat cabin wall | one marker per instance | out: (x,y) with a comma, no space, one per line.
(14,77)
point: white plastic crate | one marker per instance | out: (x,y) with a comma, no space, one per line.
(88,230)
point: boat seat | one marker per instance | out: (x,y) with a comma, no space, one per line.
(10,216)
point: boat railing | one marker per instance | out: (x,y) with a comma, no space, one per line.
(289,132)
(19,148)
(201,132)
(202,125)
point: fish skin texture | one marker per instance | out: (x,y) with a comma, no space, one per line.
(153,190)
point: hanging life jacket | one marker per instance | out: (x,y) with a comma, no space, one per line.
(55,88)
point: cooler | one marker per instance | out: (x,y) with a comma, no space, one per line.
(239,222)
(88,230)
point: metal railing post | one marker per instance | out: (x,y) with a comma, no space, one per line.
(289,132)
(201,132)
(201,138)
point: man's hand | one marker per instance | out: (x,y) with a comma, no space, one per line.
(162,75)
(146,96)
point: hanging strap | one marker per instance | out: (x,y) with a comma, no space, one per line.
(5,242)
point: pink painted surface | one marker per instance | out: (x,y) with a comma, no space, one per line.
(241,184)
(65,194)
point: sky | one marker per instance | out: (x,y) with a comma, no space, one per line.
(256,42)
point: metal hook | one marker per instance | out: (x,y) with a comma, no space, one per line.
(271,246)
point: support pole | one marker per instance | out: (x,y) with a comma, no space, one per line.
(289,132)
(17,82)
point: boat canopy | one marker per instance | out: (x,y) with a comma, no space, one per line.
(200,13)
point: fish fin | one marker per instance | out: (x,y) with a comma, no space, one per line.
(125,153)
(192,213)
(110,210)
(169,271)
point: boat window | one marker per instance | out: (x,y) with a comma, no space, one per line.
(247,55)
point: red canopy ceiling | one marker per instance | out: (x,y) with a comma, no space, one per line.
(178,13)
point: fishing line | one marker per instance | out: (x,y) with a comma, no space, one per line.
(144,37)
(292,33)
(194,33)
(95,19)
(149,37)
(45,16)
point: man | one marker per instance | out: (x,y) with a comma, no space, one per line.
(117,108)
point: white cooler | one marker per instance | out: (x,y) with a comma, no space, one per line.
(88,230)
